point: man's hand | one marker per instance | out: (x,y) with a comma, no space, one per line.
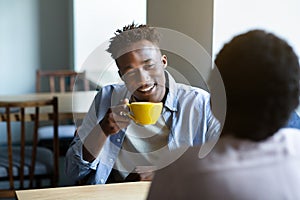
(114,120)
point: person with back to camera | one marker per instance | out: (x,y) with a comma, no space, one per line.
(109,147)
(255,158)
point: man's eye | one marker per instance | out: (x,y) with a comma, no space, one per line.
(129,74)
(149,66)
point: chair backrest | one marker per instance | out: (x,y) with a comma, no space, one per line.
(61,80)
(19,160)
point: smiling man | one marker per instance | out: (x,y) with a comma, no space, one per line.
(109,147)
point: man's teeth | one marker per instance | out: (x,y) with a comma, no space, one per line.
(146,89)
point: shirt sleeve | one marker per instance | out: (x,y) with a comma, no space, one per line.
(76,167)
(213,132)
(213,124)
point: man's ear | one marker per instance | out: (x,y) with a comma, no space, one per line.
(164,60)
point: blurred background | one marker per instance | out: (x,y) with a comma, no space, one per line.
(67,34)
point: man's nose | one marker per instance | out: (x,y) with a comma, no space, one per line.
(141,76)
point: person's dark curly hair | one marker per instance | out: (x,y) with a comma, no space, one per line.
(261,78)
(131,34)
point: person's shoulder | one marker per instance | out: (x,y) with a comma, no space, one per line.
(282,144)
(291,136)
(287,132)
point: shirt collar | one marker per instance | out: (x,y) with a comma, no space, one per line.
(171,100)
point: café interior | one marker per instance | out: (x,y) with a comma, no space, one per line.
(66,37)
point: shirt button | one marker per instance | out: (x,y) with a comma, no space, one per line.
(111,160)
(102,180)
(118,140)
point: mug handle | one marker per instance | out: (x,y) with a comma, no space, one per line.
(128,114)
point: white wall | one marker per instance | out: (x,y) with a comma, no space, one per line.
(33,34)
(18,45)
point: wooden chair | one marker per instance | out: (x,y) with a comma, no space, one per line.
(22,163)
(65,79)
(60,81)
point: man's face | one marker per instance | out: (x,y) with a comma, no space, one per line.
(142,70)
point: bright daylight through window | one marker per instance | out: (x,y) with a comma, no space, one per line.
(95,21)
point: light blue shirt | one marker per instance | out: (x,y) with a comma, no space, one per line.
(187,113)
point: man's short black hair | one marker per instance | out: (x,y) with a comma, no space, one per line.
(131,34)
(261,78)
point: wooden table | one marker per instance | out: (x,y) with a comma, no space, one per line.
(70,104)
(120,191)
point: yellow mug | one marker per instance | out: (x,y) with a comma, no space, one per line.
(145,113)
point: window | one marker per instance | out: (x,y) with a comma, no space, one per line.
(232,17)
(95,21)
